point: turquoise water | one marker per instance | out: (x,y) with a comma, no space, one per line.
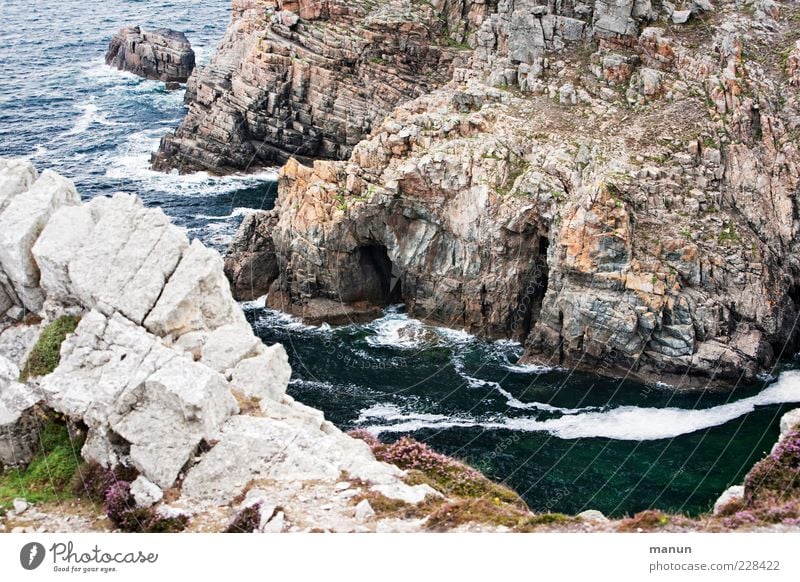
(566,441)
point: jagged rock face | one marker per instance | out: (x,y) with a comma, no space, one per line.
(140,399)
(251,266)
(161,54)
(419,230)
(306,79)
(518,42)
(160,360)
(647,228)
(19,422)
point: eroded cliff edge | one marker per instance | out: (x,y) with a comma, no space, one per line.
(618,196)
(306,79)
(175,410)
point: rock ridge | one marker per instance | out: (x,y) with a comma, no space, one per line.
(163,375)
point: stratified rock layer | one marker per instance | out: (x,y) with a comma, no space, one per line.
(305,79)
(632,212)
(161,54)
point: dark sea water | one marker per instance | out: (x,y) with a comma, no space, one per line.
(566,441)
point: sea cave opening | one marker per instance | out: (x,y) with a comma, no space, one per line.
(793,338)
(380,278)
(534,291)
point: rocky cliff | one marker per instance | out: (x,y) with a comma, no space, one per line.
(615,190)
(162,378)
(161,54)
(306,79)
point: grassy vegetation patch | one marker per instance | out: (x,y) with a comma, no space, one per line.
(46,354)
(49,475)
(647,520)
(471,496)
(443,473)
(479,511)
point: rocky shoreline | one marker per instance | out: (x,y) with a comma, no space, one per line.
(159,380)
(617,191)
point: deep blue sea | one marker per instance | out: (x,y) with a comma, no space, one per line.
(566,441)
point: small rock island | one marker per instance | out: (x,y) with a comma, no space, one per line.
(162,54)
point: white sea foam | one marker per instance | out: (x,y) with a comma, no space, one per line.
(240,211)
(392,412)
(455,336)
(257,303)
(397,330)
(90,114)
(278,319)
(131,161)
(529,368)
(631,423)
(38,151)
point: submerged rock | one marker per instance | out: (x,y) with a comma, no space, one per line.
(161,54)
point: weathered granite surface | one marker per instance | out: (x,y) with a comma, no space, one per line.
(163,374)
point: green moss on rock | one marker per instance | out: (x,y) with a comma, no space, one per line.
(49,475)
(46,354)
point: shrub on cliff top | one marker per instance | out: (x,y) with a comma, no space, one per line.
(246,521)
(648,519)
(120,506)
(50,473)
(443,473)
(46,354)
(93,481)
(480,510)
(777,476)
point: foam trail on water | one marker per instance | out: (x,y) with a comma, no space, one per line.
(630,423)
(272,318)
(511,400)
(91,114)
(392,412)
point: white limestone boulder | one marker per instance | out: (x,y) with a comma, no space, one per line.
(252,448)
(265,376)
(61,240)
(143,402)
(117,258)
(16,176)
(227,345)
(790,422)
(730,500)
(17,341)
(145,492)
(21,223)
(197,296)
(364,511)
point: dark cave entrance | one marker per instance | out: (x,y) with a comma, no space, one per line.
(793,336)
(380,278)
(533,292)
